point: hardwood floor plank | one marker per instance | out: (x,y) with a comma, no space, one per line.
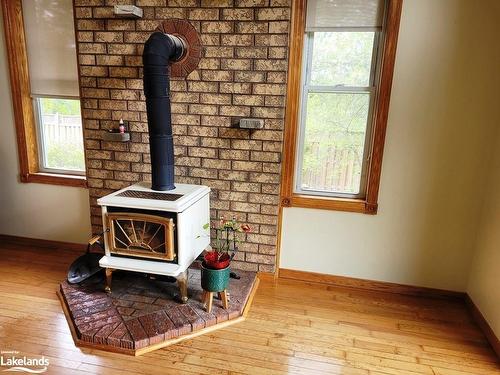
(273,361)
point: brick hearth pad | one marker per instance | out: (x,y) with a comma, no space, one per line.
(142,313)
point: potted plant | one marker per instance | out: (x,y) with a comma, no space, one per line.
(215,266)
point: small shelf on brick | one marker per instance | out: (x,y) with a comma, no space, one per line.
(116,137)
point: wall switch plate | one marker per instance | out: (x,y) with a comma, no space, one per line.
(251,123)
(128,11)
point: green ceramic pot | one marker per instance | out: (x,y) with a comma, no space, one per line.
(214,280)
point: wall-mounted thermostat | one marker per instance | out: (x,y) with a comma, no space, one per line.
(251,123)
(128,11)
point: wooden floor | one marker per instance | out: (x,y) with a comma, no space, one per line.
(293,327)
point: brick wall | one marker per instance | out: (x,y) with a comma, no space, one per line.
(242,73)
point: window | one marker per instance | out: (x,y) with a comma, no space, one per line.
(44,81)
(337,98)
(339,85)
(60,142)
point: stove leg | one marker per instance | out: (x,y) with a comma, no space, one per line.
(182,281)
(109,275)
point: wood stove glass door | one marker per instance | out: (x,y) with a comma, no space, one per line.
(141,235)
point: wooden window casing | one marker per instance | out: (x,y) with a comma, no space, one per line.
(24,118)
(368,204)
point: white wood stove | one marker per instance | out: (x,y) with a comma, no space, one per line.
(155,232)
(158,230)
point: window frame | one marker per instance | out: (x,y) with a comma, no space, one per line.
(387,42)
(24,110)
(307,88)
(40,136)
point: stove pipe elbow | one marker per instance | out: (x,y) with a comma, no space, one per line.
(159,51)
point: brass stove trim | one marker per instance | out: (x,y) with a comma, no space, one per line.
(168,224)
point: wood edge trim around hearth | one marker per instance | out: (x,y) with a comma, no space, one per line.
(483,324)
(163,344)
(38,242)
(371,285)
(408,290)
(250,298)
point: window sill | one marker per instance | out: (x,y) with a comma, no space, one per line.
(325,203)
(55,179)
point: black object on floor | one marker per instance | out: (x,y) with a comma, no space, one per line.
(84,267)
(87,265)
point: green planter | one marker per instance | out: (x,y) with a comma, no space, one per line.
(214,280)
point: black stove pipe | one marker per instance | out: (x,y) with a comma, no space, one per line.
(160,50)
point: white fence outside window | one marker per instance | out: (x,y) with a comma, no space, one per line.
(62,128)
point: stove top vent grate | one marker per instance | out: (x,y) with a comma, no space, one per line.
(149,195)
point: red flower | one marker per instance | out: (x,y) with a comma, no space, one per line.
(246,228)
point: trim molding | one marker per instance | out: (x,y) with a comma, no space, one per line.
(24,119)
(483,324)
(372,285)
(36,242)
(55,179)
(266,276)
(295,47)
(408,290)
